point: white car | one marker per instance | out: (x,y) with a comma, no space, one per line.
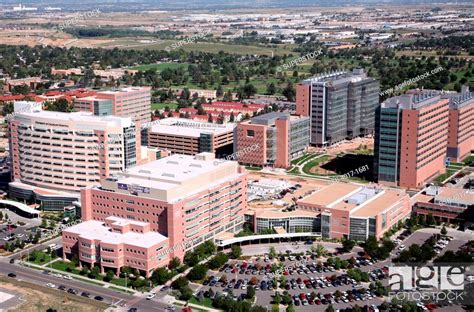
(244,287)
(20,235)
(402,247)
(51,285)
(67,277)
(150,296)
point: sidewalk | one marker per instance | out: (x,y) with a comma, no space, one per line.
(197,306)
(82,279)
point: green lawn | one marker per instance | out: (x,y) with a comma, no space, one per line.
(161,66)
(160,106)
(445,175)
(41,258)
(207,302)
(120,289)
(303,158)
(468,160)
(313,163)
(61,265)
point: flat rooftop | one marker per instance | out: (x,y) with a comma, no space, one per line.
(446,196)
(357,200)
(189,128)
(329,194)
(174,177)
(175,168)
(125,90)
(414,99)
(37,113)
(96,230)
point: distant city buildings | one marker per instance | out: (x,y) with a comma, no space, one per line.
(188,137)
(340,105)
(188,199)
(55,154)
(411,138)
(280,138)
(31,83)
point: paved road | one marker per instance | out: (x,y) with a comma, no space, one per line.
(109,295)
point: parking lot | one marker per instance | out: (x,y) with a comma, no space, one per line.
(309,282)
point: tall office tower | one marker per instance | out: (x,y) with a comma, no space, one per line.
(55,154)
(411,138)
(461,124)
(340,105)
(134,102)
(272,139)
(189,199)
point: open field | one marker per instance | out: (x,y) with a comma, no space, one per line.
(161,66)
(160,106)
(38,298)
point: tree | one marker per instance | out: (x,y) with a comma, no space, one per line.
(289,92)
(319,250)
(235,252)
(290,308)
(272,252)
(218,260)
(209,118)
(250,292)
(186,293)
(180,283)
(37,237)
(198,272)
(219,91)
(348,244)
(109,276)
(249,90)
(271,88)
(53,254)
(330,308)
(174,263)
(232,117)
(223,278)
(1,216)
(430,220)
(228,96)
(444,231)
(277,298)
(160,276)
(275,308)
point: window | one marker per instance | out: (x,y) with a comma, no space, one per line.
(250,133)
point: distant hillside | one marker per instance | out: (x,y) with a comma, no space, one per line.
(210,4)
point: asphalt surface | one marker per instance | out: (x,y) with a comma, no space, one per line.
(264,297)
(110,296)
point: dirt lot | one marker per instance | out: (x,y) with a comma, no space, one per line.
(345,146)
(40,299)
